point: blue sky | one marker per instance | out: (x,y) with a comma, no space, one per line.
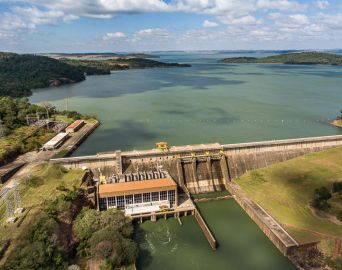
(148,25)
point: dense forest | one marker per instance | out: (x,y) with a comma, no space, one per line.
(13,112)
(67,231)
(303,58)
(19,74)
(103,55)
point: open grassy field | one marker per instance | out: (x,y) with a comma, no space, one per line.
(286,189)
(35,192)
(63,118)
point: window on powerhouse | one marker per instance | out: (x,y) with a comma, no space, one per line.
(120,200)
(146,197)
(163,195)
(129,199)
(137,198)
(172,196)
(111,201)
(103,203)
(155,196)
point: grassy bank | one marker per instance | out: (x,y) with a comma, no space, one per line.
(36,192)
(286,190)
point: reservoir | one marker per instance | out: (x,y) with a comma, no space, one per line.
(242,245)
(206,103)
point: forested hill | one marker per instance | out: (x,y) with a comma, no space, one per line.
(19,74)
(303,58)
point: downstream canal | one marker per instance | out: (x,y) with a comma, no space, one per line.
(242,245)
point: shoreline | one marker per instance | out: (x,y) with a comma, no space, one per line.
(337,123)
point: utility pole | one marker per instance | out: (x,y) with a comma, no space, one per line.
(67,103)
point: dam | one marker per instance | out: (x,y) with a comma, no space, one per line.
(201,168)
(208,168)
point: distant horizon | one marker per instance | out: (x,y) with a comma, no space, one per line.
(185,51)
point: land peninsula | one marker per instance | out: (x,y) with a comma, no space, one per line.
(338,121)
(19,74)
(300,58)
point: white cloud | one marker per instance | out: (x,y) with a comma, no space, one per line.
(209,24)
(156,32)
(26,18)
(243,20)
(330,21)
(322,4)
(113,35)
(280,5)
(37,16)
(109,8)
(70,17)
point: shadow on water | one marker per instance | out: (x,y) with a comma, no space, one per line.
(134,82)
(123,136)
(145,257)
(212,114)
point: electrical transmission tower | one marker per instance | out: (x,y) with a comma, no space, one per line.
(9,206)
(16,195)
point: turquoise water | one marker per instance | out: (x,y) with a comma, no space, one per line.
(206,103)
(242,245)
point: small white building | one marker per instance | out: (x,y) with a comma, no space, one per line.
(56,141)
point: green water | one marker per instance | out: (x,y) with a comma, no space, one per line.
(242,245)
(206,103)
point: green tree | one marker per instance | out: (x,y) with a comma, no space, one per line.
(322,193)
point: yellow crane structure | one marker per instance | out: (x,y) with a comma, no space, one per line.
(162,146)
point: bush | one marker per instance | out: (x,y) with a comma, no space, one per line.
(320,204)
(108,245)
(339,215)
(322,193)
(337,187)
(89,221)
(106,236)
(321,197)
(34,181)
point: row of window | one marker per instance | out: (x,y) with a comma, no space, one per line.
(121,201)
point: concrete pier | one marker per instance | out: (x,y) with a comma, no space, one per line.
(205,229)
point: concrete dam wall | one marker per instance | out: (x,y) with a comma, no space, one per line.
(202,168)
(245,157)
